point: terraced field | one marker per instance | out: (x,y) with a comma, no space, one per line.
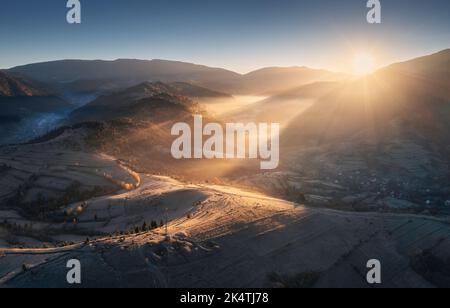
(34,169)
(36,180)
(225,237)
(142,230)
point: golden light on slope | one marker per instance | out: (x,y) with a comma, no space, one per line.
(363,64)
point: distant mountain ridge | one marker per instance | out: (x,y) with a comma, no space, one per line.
(80,75)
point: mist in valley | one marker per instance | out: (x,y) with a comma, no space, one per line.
(29,128)
(362,168)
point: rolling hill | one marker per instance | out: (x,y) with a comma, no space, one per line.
(269,81)
(19,96)
(385,135)
(133,102)
(408,92)
(215,231)
(436,66)
(135,124)
(12,86)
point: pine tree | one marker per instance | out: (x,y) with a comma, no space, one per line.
(154,224)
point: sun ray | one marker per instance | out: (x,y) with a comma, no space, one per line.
(363,64)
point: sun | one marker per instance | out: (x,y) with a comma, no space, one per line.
(363,64)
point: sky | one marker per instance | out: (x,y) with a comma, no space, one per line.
(240,35)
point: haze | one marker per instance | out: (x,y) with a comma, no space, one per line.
(237,35)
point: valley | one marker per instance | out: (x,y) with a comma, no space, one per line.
(363,174)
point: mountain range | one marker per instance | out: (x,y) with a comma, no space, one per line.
(364,168)
(410,92)
(385,134)
(92,76)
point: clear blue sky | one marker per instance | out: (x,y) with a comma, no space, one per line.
(240,35)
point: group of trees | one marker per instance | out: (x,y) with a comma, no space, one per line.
(145,227)
(16,227)
(153,225)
